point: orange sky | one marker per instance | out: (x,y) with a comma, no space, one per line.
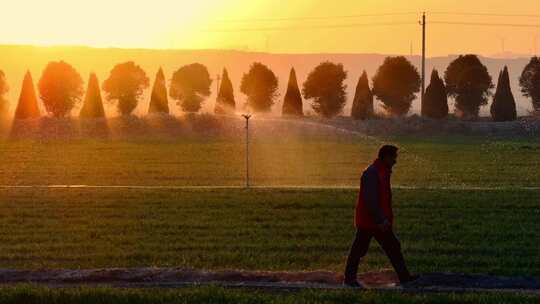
(189,24)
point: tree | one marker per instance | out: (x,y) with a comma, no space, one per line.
(190,85)
(60,88)
(325,86)
(225,103)
(92,105)
(27,107)
(435,99)
(395,85)
(260,86)
(125,85)
(292,104)
(159,102)
(469,83)
(503,107)
(362,107)
(4,88)
(529,82)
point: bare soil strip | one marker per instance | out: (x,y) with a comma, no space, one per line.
(281,187)
(287,281)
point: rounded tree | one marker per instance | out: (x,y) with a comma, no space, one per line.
(60,88)
(260,86)
(159,103)
(190,84)
(4,88)
(125,85)
(503,107)
(435,100)
(395,85)
(529,81)
(292,103)
(324,86)
(362,107)
(469,83)
(225,103)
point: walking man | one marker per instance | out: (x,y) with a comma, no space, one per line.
(374,218)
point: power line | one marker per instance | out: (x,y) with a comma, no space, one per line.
(307,27)
(486,24)
(352,25)
(315,18)
(356,16)
(485,14)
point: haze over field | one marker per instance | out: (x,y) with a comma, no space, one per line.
(15,60)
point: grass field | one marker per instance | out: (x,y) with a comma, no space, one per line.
(453,227)
(432,162)
(494,232)
(31,295)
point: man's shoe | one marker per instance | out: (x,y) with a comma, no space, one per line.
(352,284)
(409,281)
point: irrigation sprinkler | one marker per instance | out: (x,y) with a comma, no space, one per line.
(247,117)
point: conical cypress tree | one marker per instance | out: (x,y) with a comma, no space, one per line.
(225,103)
(362,107)
(435,99)
(93,105)
(292,104)
(159,102)
(503,107)
(4,88)
(27,106)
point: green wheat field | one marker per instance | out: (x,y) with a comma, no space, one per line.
(463,204)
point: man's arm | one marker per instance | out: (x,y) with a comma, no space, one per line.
(370,186)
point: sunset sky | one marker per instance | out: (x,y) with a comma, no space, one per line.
(240,24)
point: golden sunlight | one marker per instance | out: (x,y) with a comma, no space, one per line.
(274,26)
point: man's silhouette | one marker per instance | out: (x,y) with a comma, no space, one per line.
(374,218)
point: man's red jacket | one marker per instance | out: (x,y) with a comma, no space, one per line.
(374,204)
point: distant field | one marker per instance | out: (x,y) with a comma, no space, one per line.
(493,232)
(275,160)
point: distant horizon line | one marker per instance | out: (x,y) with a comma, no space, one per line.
(77,46)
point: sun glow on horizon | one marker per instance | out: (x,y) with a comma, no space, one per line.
(102,23)
(185,24)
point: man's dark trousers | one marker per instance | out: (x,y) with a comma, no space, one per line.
(389,243)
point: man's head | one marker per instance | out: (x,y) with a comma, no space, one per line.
(388,155)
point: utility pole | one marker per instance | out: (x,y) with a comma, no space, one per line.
(247,117)
(423,57)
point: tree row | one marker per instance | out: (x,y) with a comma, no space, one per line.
(395,84)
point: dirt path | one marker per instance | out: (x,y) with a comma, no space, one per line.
(281,187)
(179,277)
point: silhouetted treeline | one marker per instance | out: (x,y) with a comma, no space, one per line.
(292,104)
(362,107)
(503,107)
(435,103)
(395,85)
